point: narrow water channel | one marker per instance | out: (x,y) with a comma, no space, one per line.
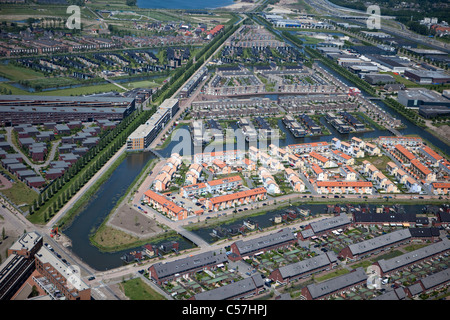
(98,208)
(107,196)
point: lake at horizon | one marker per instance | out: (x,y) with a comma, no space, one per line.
(180,4)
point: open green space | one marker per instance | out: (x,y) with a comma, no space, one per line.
(16,73)
(137,289)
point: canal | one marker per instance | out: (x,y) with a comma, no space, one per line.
(101,204)
(98,208)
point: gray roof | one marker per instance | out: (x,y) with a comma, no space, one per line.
(26,173)
(308,265)
(65,98)
(307,233)
(330,223)
(59,164)
(263,242)
(436,279)
(379,242)
(232,290)
(26,141)
(16,166)
(189,263)
(9,161)
(415,289)
(62,127)
(413,256)
(35,179)
(353,278)
(27,241)
(396,294)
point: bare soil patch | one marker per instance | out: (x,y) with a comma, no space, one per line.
(4,183)
(130,220)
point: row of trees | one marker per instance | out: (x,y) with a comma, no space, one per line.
(410,114)
(182,74)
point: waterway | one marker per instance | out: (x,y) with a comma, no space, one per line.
(98,208)
(181,4)
(107,196)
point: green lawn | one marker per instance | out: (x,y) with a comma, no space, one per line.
(379,162)
(16,73)
(336,273)
(82,90)
(141,84)
(136,289)
(19,194)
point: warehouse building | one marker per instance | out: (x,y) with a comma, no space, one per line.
(18,109)
(427,76)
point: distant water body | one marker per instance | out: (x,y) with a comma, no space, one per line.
(183,4)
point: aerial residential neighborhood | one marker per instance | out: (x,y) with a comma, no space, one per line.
(248,150)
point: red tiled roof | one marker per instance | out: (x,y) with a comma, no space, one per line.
(238,195)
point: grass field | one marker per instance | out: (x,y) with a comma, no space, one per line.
(16,73)
(81,90)
(19,194)
(336,273)
(136,289)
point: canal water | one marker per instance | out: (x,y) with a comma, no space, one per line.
(98,208)
(181,4)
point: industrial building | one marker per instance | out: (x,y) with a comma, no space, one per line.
(18,109)
(427,76)
(415,98)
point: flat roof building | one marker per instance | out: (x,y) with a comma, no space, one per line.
(20,109)
(65,278)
